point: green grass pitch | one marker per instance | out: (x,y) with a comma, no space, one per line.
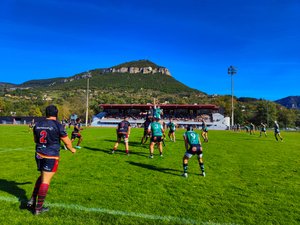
(249,180)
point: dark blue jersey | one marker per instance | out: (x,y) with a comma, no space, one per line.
(146,124)
(123,127)
(77,127)
(47,134)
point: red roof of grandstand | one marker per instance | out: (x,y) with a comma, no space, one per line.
(162,106)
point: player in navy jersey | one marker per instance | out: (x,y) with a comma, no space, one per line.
(146,134)
(76,133)
(47,136)
(123,132)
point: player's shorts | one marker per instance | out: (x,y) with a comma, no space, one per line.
(263,130)
(171,131)
(156,139)
(193,150)
(205,130)
(45,164)
(122,136)
(146,133)
(75,135)
(277,131)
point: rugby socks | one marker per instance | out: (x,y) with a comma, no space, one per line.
(201,167)
(41,196)
(185,168)
(36,188)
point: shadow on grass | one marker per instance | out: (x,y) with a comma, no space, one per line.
(12,187)
(155,168)
(107,151)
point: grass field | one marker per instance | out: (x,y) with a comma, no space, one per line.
(249,180)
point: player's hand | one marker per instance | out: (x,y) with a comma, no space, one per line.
(73,150)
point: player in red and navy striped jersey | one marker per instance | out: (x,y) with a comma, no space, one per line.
(47,136)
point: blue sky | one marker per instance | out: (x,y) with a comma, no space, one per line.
(197,40)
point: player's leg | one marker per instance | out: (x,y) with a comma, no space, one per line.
(185,162)
(49,168)
(79,140)
(201,164)
(126,140)
(32,201)
(151,148)
(116,144)
(160,148)
(174,138)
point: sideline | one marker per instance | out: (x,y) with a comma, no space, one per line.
(121,213)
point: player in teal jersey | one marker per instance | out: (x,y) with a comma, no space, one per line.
(204,133)
(277,131)
(172,128)
(157,131)
(263,129)
(193,147)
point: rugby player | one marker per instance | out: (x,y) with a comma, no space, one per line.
(146,134)
(123,132)
(204,133)
(193,147)
(76,133)
(277,131)
(263,129)
(172,128)
(47,135)
(157,131)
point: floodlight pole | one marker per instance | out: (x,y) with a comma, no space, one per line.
(231,71)
(87,98)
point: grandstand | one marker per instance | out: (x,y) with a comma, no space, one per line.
(182,114)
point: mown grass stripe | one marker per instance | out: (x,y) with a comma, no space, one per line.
(120,213)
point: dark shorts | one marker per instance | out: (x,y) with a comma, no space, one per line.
(171,131)
(146,133)
(195,150)
(156,139)
(47,165)
(122,136)
(75,135)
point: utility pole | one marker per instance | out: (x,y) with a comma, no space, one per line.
(231,71)
(88,75)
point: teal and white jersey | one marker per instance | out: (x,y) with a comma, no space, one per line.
(156,129)
(172,126)
(192,137)
(157,113)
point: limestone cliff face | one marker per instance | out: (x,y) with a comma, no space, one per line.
(143,70)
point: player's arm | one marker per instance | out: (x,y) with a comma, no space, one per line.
(66,140)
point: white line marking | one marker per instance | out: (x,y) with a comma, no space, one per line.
(15,149)
(121,213)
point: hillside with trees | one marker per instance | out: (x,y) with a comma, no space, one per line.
(106,86)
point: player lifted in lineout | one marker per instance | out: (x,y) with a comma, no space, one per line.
(193,147)
(123,132)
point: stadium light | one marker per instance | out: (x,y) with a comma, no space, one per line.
(231,71)
(88,75)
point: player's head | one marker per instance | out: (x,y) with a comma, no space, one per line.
(156,119)
(275,121)
(189,128)
(51,110)
(78,120)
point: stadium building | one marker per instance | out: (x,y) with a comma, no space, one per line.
(182,114)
